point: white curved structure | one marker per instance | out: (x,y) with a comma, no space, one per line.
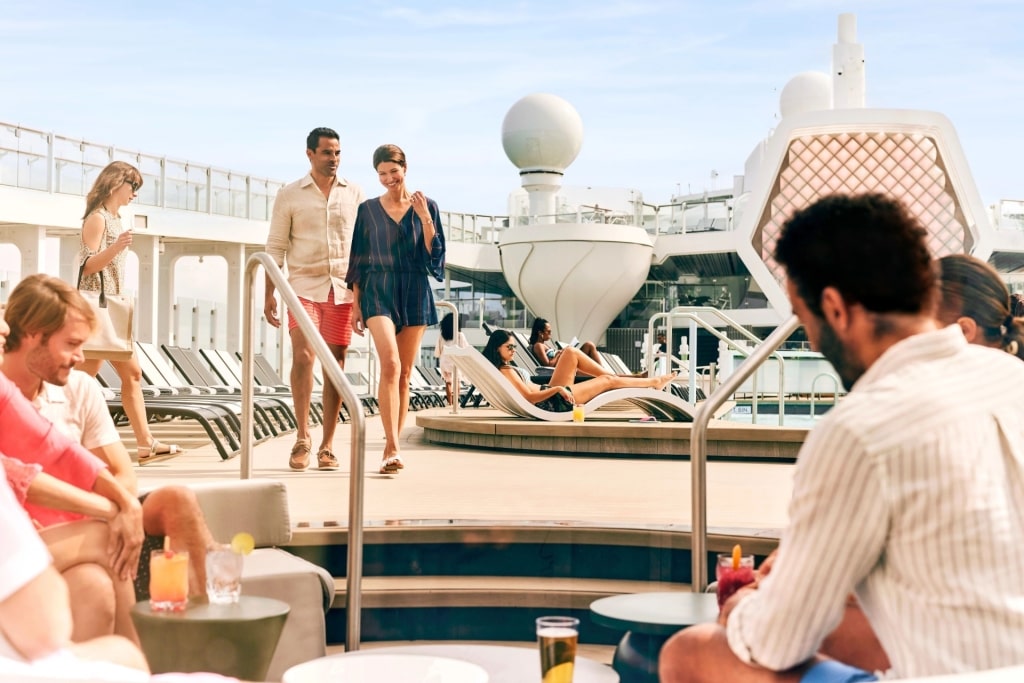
(577,275)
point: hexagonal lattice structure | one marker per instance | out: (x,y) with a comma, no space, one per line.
(908,167)
(913,156)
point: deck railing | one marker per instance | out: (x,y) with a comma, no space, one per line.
(38,160)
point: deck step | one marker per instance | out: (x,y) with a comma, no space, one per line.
(503,532)
(491,591)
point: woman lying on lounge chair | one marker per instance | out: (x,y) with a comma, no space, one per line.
(560,394)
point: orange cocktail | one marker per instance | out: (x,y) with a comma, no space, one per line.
(168,581)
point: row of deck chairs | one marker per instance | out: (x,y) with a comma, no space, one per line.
(206,386)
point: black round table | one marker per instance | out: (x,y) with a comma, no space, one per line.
(649,619)
(233,640)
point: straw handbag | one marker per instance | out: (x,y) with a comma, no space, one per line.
(113,337)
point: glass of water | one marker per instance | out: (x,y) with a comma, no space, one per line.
(223,575)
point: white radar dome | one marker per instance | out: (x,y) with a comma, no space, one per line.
(542,133)
(805,92)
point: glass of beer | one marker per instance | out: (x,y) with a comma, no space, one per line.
(168,581)
(557,638)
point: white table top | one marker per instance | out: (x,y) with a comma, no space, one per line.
(504,664)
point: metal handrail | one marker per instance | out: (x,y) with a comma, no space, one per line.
(456,389)
(693,313)
(332,372)
(835,384)
(699,447)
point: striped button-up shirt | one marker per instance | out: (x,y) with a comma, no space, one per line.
(909,493)
(313,233)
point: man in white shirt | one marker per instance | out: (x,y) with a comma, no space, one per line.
(909,494)
(43,346)
(311,229)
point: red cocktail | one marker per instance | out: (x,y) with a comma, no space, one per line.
(733,571)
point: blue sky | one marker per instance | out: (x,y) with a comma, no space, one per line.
(667,90)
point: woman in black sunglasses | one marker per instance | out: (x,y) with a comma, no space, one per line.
(561,392)
(103,250)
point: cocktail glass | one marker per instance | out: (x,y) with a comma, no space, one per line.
(731,579)
(223,575)
(557,638)
(168,581)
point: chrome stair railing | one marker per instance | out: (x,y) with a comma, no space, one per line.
(332,373)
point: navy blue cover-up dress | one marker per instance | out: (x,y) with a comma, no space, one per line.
(391,269)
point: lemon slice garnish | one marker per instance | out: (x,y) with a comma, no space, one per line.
(243,543)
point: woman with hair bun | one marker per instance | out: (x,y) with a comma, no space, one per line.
(975,298)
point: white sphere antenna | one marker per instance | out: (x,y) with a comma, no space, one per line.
(806,92)
(542,134)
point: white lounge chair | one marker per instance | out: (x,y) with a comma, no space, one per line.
(501,394)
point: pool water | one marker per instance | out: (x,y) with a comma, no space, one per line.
(770,418)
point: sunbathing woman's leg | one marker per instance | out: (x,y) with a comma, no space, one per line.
(572,362)
(589,349)
(584,391)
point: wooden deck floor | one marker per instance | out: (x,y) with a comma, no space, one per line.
(545,484)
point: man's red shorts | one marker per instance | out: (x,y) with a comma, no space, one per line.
(333,320)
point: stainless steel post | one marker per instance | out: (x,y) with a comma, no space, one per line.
(699,445)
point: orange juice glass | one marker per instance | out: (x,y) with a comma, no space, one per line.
(168,581)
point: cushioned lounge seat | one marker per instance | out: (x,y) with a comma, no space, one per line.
(501,394)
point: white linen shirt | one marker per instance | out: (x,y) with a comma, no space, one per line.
(313,234)
(909,493)
(79,410)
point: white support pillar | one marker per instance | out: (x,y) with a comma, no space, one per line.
(167,328)
(235,256)
(70,246)
(31,242)
(147,248)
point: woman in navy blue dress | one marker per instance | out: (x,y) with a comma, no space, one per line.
(397,242)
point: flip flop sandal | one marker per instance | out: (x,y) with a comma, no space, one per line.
(389,466)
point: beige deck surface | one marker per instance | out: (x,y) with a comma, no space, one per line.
(466,484)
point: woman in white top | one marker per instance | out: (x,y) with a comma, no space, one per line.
(562,391)
(444,341)
(104,247)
